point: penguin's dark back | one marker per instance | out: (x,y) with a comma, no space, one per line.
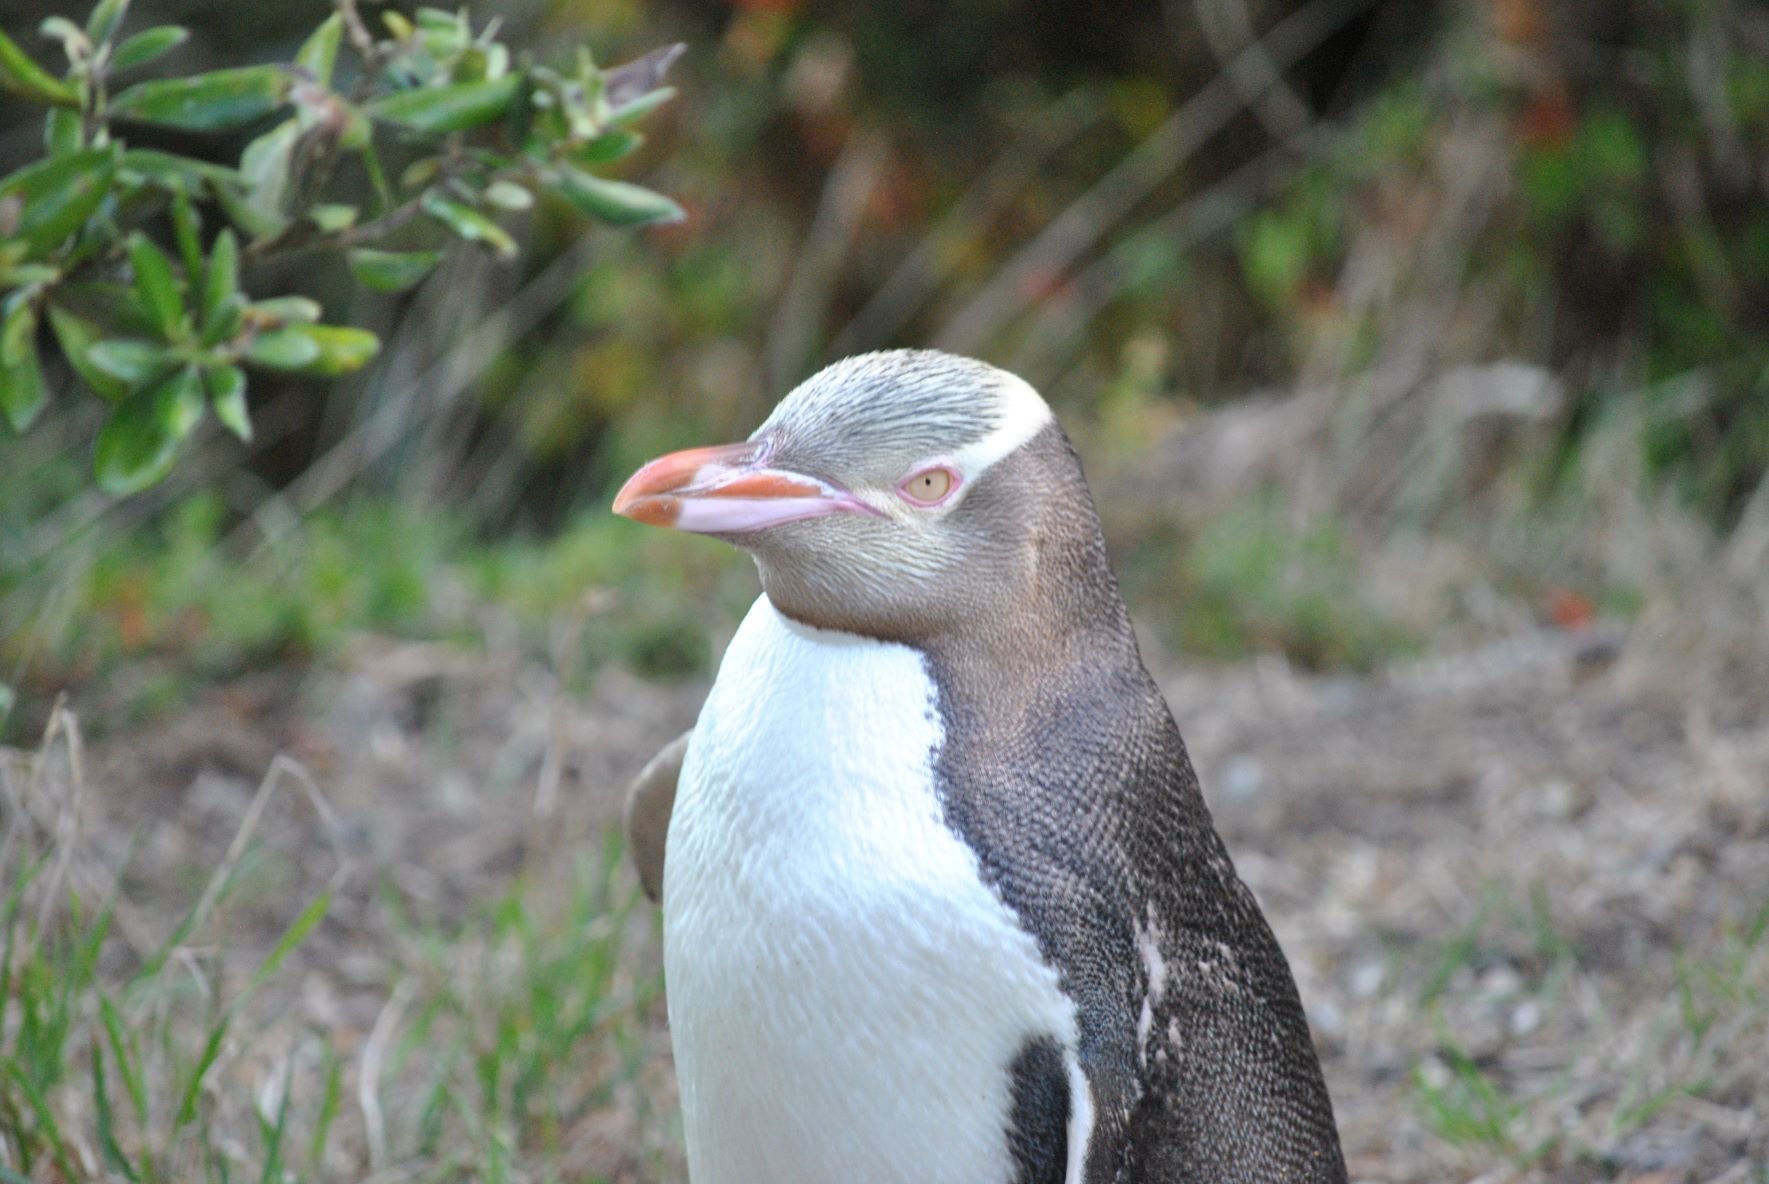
(1063,769)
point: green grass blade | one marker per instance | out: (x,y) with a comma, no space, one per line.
(125,1058)
(187,1102)
(273,1134)
(330,1100)
(101,1102)
(292,937)
(46,1123)
(156,961)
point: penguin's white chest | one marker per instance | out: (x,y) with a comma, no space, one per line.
(846,995)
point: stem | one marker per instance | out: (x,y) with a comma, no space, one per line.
(367,48)
(360,37)
(381,227)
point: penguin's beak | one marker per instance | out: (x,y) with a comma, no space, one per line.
(727,489)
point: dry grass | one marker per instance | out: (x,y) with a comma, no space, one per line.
(396,956)
(1525,891)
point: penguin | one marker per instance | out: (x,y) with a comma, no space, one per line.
(942,900)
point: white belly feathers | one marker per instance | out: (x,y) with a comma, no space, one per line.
(845,993)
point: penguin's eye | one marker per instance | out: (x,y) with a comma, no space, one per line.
(929,487)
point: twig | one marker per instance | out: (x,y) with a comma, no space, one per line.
(280,766)
(1227,27)
(394,219)
(333,821)
(364,41)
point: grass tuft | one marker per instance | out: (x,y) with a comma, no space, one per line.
(502,1038)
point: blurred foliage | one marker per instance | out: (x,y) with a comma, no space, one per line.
(1625,237)
(463,129)
(177,591)
(1103,203)
(1252,581)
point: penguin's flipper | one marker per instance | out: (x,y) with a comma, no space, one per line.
(646,819)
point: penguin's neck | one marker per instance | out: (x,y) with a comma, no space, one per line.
(819,727)
(1067,636)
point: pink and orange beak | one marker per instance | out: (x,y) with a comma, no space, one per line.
(727,489)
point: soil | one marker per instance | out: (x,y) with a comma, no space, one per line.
(1517,886)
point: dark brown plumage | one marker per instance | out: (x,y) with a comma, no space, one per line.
(1065,771)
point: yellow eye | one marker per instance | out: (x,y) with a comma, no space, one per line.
(930,486)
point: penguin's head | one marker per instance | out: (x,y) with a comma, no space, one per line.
(892,494)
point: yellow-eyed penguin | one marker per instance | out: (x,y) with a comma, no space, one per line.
(942,901)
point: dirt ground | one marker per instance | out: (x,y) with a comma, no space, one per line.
(1523,889)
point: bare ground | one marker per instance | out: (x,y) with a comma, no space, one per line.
(1523,890)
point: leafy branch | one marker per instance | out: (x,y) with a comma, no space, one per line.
(443,126)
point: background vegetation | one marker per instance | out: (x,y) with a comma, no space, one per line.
(1408,345)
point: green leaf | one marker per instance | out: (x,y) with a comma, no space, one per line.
(106,18)
(469,223)
(326,350)
(640,107)
(391,271)
(610,146)
(296,309)
(137,445)
(283,349)
(148,45)
(62,132)
(22,394)
(615,202)
(77,335)
(420,173)
(227,395)
(180,408)
(131,361)
(265,167)
(217,101)
(155,285)
(22,76)
(187,228)
(331,216)
(342,348)
(18,332)
(31,275)
(179,174)
(441,23)
(59,195)
(319,52)
(74,42)
(507,195)
(438,109)
(221,279)
(237,205)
